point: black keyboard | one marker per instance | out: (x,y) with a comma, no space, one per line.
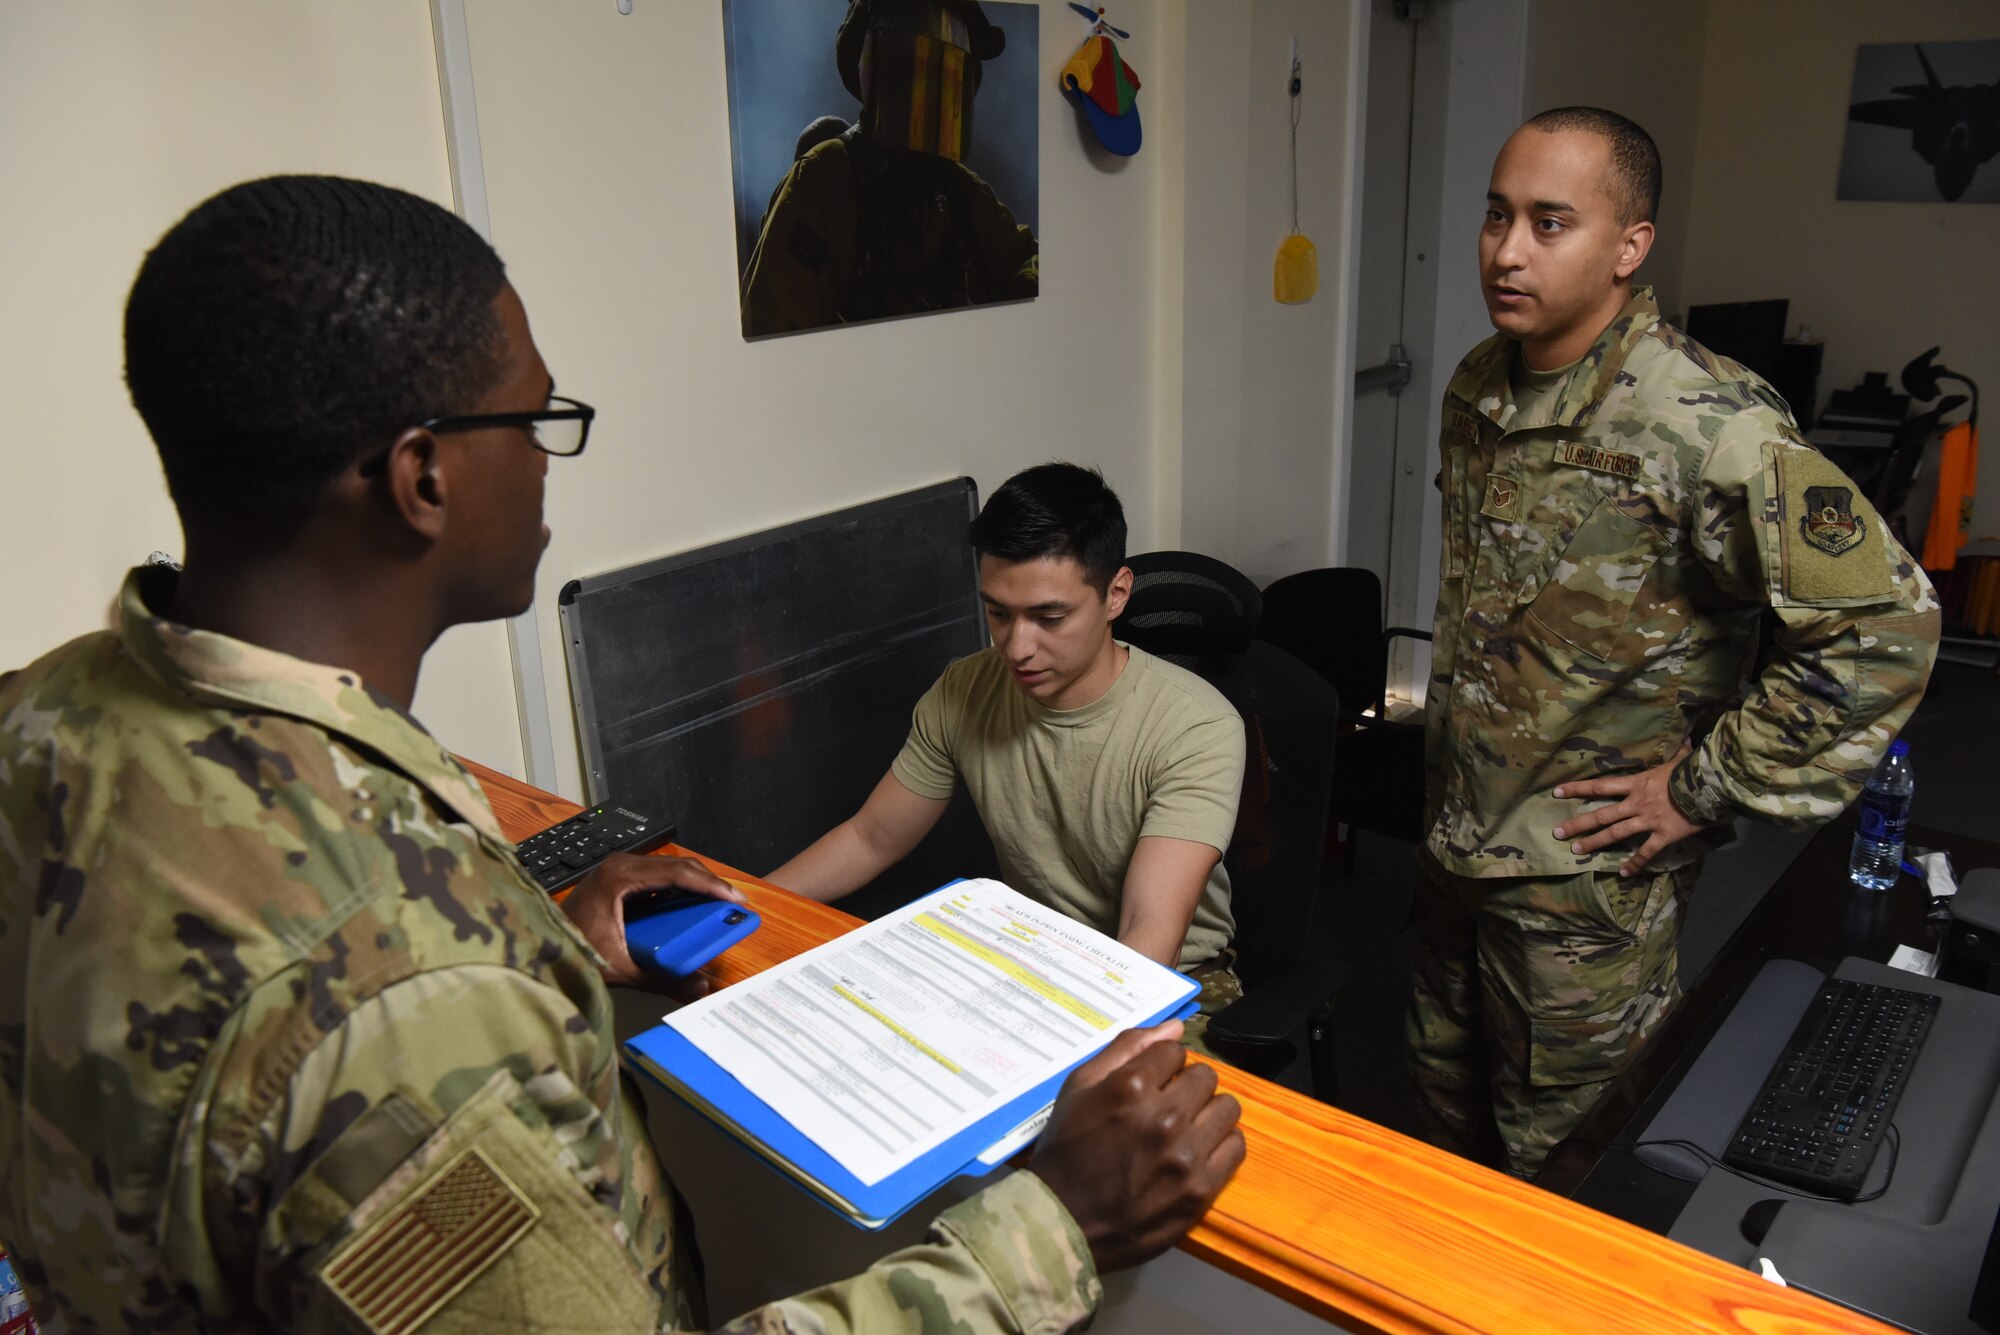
(565,852)
(1822,1112)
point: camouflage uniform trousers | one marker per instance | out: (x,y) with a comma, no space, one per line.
(1529,997)
(1219,987)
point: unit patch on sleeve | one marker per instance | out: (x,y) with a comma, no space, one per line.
(1832,549)
(1829,522)
(412,1260)
(1595,457)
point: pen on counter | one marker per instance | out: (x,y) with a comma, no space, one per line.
(1914,869)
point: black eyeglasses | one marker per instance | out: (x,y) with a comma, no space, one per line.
(560,429)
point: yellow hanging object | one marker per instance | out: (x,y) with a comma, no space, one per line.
(1296,276)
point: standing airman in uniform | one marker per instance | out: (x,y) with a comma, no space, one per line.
(1633,528)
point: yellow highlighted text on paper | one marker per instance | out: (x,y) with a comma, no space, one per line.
(1039,986)
(898,1030)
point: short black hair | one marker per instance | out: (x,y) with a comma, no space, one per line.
(1635,158)
(1055,509)
(288,325)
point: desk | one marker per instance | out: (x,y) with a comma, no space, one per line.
(1352,1223)
(1813,913)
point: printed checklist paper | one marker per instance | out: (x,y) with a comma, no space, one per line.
(917,1048)
(888,1043)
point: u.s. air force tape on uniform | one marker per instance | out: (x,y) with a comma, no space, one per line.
(1577,454)
(1829,540)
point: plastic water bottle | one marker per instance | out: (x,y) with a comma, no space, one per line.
(13,1302)
(1876,859)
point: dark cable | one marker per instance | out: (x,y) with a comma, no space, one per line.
(1893,1142)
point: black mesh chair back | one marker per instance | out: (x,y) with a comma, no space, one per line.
(1185,605)
(1331,620)
(1203,614)
(1290,722)
(1906,455)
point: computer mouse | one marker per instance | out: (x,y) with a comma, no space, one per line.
(1673,1160)
(1757,1220)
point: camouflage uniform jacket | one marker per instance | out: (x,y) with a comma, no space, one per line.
(289,1041)
(1610,581)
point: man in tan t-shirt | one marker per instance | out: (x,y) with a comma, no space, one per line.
(1107,778)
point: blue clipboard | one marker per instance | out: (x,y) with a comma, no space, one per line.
(667,1056)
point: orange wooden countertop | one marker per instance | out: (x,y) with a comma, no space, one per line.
(1360,1224)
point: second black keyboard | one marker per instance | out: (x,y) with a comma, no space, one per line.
(1820,1117)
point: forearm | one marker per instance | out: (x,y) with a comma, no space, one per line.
(973,1269)
(1800,745)
(1163,887)
(1157,936)
(838,863)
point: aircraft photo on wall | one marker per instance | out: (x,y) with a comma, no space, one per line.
(1924,123)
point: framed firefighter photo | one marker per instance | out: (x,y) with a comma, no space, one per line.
(887,157)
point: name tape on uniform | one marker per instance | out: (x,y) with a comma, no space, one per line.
(1598,459)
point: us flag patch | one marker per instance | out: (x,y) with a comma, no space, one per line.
(411,1262)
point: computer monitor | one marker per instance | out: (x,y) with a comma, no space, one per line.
(1750,332)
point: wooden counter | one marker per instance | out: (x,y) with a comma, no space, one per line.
(1364,1226)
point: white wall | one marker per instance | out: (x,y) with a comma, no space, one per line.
(1880,282)
(607,162)
(1749,106)
(1470,82)
(1261,382)
(116,117)
(1155,350)
(1642,60)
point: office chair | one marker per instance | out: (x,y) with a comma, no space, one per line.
(1331,620)
(1202,614)
(1892,486)
(1921,381)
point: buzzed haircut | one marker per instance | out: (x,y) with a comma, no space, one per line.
(1635,158)
(290,325)
(1055,509)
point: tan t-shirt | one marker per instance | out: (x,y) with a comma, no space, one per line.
(1066,795)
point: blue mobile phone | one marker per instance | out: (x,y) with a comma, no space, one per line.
(678,931)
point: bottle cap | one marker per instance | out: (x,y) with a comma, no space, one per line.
(1899,747)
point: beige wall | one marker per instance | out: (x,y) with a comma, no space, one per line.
(1643,60)
(606,160)
(1879,282)
(1259,385)
(609,193)
(610,201)
(116,117)
(1749,106)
